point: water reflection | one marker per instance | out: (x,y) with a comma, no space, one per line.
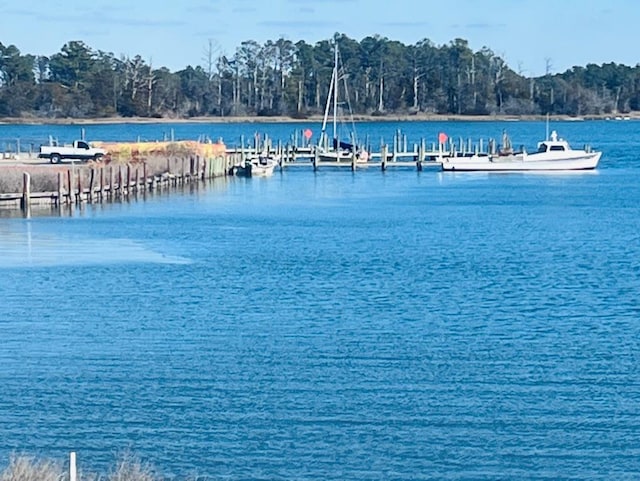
(26,247)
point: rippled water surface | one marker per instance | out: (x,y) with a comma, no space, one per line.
(336,325)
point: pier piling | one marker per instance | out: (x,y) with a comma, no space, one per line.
(26,191)
(383,157)
(59,199)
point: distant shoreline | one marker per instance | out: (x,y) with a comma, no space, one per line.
(311,119)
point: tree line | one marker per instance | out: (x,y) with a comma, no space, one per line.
(283,78)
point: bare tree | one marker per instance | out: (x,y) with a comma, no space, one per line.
(209,57)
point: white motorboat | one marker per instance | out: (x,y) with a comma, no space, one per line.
(263,166)
(258,166)
(553,154)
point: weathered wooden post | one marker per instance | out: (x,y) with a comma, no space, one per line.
(111,186)
(420,156)
(284,156)
(316,157)
(26,191)
(394,152)
(59,187)
(101,184)
(383,157)
(79,178)
(120,182)
(70,189)
(128,179)
(91,185)
(144,175)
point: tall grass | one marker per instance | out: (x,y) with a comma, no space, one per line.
(24,468)
(131,468)
(127,468)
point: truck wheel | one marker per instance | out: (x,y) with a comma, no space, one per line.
(55,158)
(97,157)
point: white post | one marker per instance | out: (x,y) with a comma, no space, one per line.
(73,473)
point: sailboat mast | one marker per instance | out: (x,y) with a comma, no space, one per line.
(326,108)
(335,91)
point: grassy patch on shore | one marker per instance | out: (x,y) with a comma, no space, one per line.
(128,467)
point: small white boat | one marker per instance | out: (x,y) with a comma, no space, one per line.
(553,154)
(259,166)
(263,166)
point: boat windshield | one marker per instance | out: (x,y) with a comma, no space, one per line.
(542,147)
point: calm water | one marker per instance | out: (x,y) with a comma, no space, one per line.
(338,326)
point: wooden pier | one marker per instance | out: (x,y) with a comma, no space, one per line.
(398,154)
(26,183)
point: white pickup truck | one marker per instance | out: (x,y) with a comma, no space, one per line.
(79,150)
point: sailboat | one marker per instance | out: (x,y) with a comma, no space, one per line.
(335,149)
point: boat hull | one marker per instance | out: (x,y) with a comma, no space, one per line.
(259,170)
(340,157)
(520,163)
(255,169)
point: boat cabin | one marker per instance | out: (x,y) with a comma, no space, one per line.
(553,145)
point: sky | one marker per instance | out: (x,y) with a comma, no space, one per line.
(531,35)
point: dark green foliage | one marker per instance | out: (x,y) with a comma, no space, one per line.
(285,78)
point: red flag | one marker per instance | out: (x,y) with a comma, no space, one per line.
(442,138)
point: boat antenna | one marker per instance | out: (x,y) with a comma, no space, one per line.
(547,129)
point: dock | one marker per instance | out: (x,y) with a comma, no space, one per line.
(397,155)
(140,168)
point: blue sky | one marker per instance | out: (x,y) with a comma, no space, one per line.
(175,34)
